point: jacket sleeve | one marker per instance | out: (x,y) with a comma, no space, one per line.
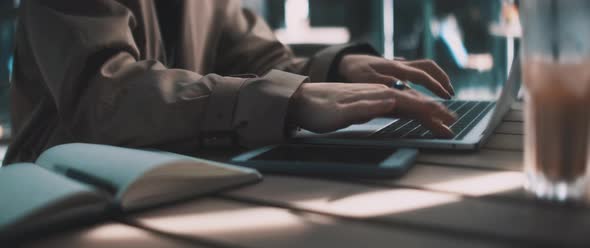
(104,93)
(249,46)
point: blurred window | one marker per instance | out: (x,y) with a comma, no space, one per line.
(473,40)
(309,23)
(8,15)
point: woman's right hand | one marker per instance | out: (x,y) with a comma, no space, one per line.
(326,107)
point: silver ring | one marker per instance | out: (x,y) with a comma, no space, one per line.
(400,85)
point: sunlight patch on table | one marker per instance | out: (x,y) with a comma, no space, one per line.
(114,232)
(486,184)
(251,221)
(379,203)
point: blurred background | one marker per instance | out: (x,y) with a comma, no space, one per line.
(8,14)
(473,40)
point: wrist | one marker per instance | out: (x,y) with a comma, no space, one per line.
(343,68)
(291,122)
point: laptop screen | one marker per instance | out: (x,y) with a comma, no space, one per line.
(508,95)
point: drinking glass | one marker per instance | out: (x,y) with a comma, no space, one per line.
(556,74)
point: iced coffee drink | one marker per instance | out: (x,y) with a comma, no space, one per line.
(557,122)
(556,73)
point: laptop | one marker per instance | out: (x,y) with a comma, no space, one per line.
(476,121)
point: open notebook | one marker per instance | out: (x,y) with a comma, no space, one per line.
(75,181)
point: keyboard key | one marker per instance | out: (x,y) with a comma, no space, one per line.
(402,131)
(392,127)
(416,133)
(468,112)
(473,118)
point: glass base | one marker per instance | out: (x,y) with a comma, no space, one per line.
(560,191)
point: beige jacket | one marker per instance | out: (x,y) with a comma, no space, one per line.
(139,74)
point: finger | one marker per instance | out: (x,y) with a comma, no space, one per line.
(411,105)
(383,79)
(421,77)
(429,110)
(441,113)
(405,72)
(362,111)
(415,93)
(419,95)
(439,129)
(426,111)
(436,109)
(433,69)
(379,78)
(369,92)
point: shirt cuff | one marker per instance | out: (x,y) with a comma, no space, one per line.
(261,111)
(217,126)
(324,65)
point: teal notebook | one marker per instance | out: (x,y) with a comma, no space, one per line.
(72,181)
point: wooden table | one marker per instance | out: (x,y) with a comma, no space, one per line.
(447,200)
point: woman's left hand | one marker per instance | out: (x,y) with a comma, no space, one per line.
(365,68)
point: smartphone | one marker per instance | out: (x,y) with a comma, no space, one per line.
(329,160)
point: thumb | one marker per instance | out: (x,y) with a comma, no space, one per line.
(365,110)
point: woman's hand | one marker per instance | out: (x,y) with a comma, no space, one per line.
(370,69)
(326,107)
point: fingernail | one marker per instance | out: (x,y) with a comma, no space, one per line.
(451,134)
(449,121)
(452,90)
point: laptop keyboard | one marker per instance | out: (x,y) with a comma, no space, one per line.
(468,115)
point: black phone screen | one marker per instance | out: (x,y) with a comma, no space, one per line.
(327,154)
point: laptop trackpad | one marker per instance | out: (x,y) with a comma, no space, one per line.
(353,131)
